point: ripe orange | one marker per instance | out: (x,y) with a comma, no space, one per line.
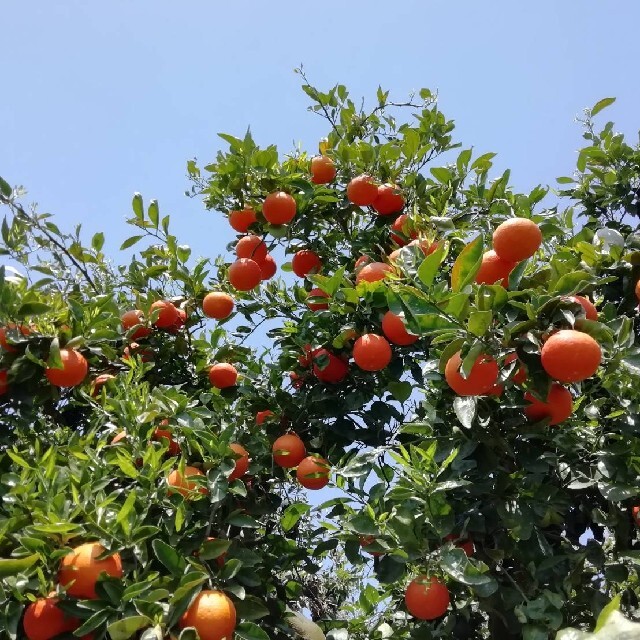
(305,262)
(212,615)
(173,448)
(261,416)
(217,305)
(82,568)
(589,308)
(635,511)
(466,544)
(306,358)
(43,620)
(482,377)
(279,208)
(245,274)
(180,484)
(4,381)
(519,374)
(361,261)
(427,247)
(288,451)
(268,267)
(517,239)
(168,315)
(74,369)
(223,375)
(389,200)
(318,306)
(242,219)
(399,226)
(134,349)
(362,191)
(365,541)
(494,268)
(99,382)
(372,352)
(393,327)
(373,272)
(252,247)
(571,356)
(637,290)
(558,406)
(323,170)
(427,598)
(121,435)
(313,472)
(180,322)
(24,330)
(242,463)
(335,371)
(132,318)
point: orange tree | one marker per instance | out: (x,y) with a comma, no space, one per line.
(457,359)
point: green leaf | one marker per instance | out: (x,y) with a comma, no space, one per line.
(292,514)
(430,265)
(5,188)
(13,566)
(614,605)
(251,608)
(479,322)
(465,409)
(138,206)
(573,282)
(441,174)
(154,213)
(467,264)
(474,574)
(598,107)
(401,391)
(250,631)
(127,627)
(97,242)
(242,520)
(32,309)
(129,242)
(168,556)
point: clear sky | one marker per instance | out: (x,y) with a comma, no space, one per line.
(101,99)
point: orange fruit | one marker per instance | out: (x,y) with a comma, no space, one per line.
(393,327)
(220,559)
(12,327)
(268,268)
(173,448)
(323,170)
(252,247)
(306,358)
(571,356)
(494,268)
(313,472)
(398,227)
(168,315)
(519,374)
(43,620)
(362,191)
(261,416)
(517,239)
(82,568)
(317,306)
(373,272)
(132,318)
(424,245)
(589,308)
(426,598)
(335,371)
(121,435)
(466,544)
(365,541)
(180,322)
(74,369)
(557,407)
(245,274)
(134,349)
(99,382)
(361,261)
(179,483)
(4,381)
(388,200)
(305,262)
(279,208)
(372,352)
(223,375)
(393,256)
(637,290)
(242,219)
(217,305)
(481,379)
(288,451)
(242,463)
(635,511)
(212,615)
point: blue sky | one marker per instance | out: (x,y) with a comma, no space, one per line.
(104,99)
